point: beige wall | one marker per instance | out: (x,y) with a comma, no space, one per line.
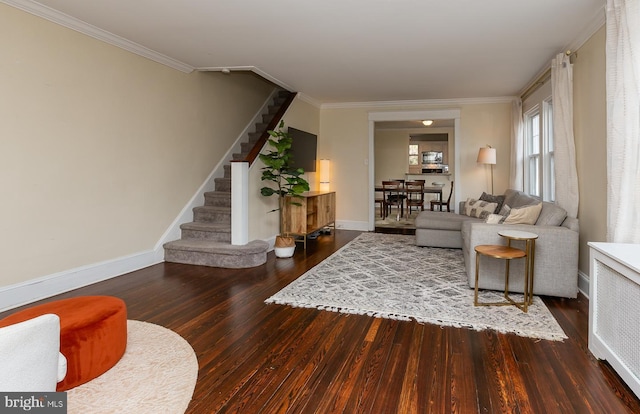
(482,125)
(391,154)
(100,149)
(345,135)
(391,151)
(345,138)
(590,130)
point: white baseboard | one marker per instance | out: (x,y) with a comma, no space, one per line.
(583,283)
(34,290)
(352,225)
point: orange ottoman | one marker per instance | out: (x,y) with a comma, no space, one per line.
(93,334)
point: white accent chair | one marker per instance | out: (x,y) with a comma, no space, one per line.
(30,355)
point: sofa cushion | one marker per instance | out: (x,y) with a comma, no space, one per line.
(479,208)
(490,198)
(551,215)
(524,215)
(514,198)
(438,220)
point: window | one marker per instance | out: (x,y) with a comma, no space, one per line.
(539,179)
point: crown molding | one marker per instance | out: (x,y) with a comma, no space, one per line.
(423,102)
(302,96)
(72,23)
(253,69)
(306,98)
(598,20)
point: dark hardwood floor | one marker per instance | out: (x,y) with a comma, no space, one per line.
(258,358)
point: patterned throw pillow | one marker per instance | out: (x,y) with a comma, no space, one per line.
(500,217)
(505,210)
(495,219)
(490,198)
(478,208)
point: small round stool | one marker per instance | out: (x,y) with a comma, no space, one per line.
(93,334)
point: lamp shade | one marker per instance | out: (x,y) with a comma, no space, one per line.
(325,174)
(487,155)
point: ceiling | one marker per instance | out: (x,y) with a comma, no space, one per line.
(344,51)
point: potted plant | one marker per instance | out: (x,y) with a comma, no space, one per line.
(288,182)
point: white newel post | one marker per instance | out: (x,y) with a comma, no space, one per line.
(239,203)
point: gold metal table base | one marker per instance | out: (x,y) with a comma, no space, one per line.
(508,253)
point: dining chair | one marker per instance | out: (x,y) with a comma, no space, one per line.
(415,195)
(393,195)
(379,199)
(441,203)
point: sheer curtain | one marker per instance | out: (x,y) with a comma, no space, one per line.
(623,119)
(564,150)
(516,169)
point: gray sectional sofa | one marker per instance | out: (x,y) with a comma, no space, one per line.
(556,254)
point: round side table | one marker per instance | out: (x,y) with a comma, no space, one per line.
(498,252)
(530,251)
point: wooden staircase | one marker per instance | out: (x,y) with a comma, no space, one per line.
(207,239)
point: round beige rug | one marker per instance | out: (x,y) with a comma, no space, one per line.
(157,374)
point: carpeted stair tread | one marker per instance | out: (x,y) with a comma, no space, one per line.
(207,246)
(211,214)
(216,254)
(218,198)
(206,226)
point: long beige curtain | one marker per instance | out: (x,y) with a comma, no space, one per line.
(564,149)
(516,167)
(623,121)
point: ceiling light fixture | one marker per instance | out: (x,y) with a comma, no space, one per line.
(427,122)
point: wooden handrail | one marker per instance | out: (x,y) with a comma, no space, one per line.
(253,153)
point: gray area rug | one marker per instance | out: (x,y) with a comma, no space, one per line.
(387,276)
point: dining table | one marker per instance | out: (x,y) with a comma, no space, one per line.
(427,190)
(437,190)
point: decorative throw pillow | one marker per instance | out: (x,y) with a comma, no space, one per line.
(478,208)
(490,198)
(495,219)
(551,215)
(505,210)
(524,215)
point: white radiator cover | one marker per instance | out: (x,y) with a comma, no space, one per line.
(614,308)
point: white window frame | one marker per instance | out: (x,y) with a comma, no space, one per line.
(539,177)
(532,158)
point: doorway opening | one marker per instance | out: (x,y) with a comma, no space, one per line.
(379,122)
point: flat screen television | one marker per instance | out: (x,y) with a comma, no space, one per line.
(303,149)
